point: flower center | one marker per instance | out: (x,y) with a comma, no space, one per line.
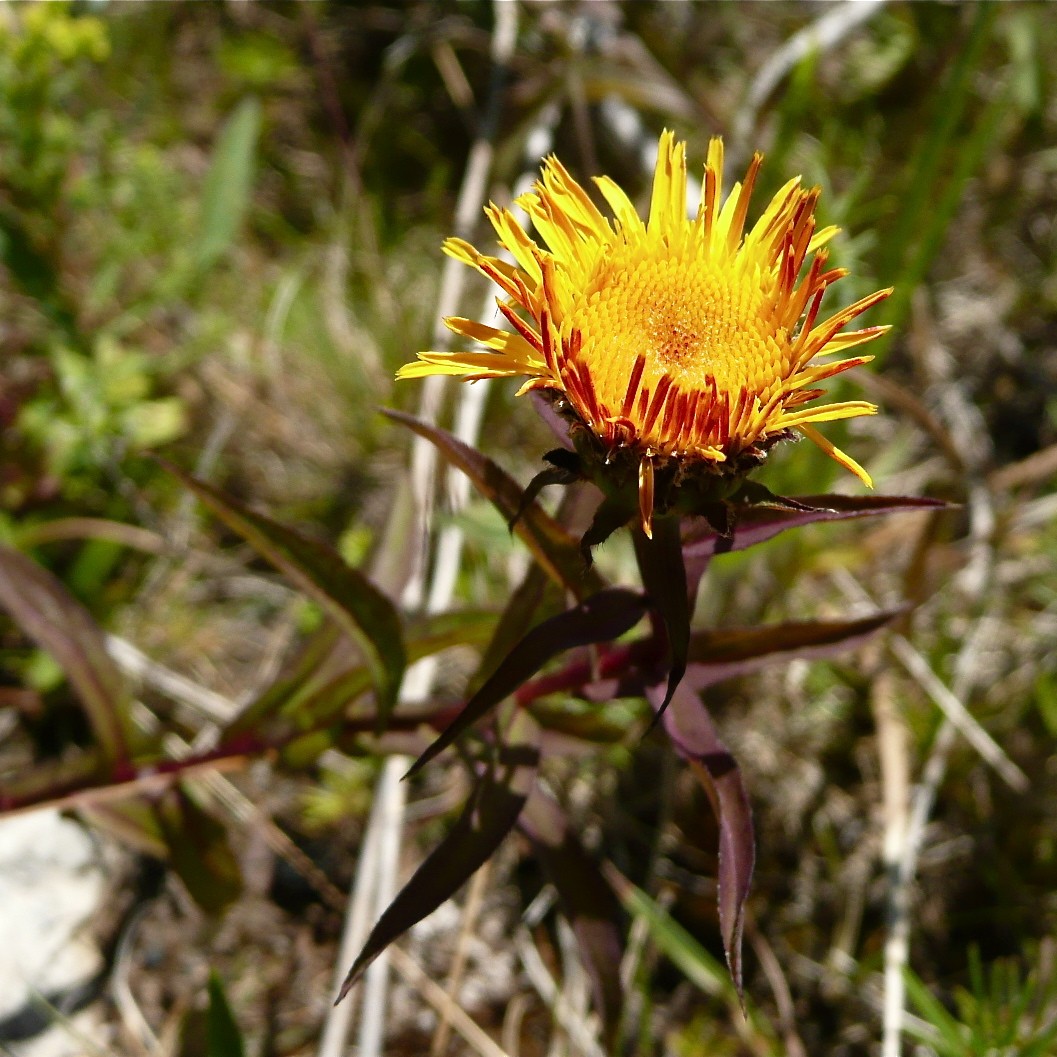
(691,320)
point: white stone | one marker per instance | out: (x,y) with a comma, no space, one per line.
(51,884)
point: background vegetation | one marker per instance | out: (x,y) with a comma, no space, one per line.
(219,232)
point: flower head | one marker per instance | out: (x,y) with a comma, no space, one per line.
(688,346)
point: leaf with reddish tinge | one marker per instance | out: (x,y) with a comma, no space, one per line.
(514,623)
(664,577)
(588,901)
(602,617)
(347,595)
(551,545)
(722,653)
(757,523)
(58,623)
(489,815)
(695,738)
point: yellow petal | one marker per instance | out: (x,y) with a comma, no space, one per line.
(836,454)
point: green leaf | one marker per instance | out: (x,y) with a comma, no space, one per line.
(684,951)
(199,851)
(223,1038)
(229,183)
(489,815)
(57,622)
(349,597)
(947,1032)
(211,1032)
(36,275)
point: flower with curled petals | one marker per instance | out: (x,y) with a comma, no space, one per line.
(680,350)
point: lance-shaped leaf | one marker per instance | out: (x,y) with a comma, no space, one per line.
(586,897)
(602,617)
(58,623)
(349,597)
(199,851)
(514,623)
(722,653)
(489,815)
(551,545)
(757,523)
(695,738)
(229,183)
(664,577)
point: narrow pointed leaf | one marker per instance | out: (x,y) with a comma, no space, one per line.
(489,815)
(229,183)
(723,653)
(586,897)
(346,594)
(514,623)
(199,851)
(213,1031)
(551,545)
(42,607)
(755,524)
(664,577)
(602,617)
(223,1038)
(686,952)
(696,739)
(695,963)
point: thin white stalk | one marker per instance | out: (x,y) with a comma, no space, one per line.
(835,24)
(375,884)
(130,659)
(392,795)
(357,921)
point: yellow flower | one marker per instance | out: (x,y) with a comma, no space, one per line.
(672,341)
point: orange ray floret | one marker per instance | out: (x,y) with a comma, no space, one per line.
(678,339)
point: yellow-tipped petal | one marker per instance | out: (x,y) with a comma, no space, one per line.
(836,454)
(696,341)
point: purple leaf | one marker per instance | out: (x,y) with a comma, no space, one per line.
(602,617)
(755,524)
(514,623)
(551,545)
(695,739)
(664,577)
(489,815)
(346,594)
(722,653)
(586,898)
(58,623)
